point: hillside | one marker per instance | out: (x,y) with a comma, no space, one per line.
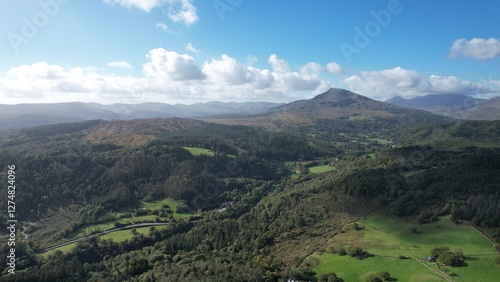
(487,110)
(453,105)
(30,115)
(243,202)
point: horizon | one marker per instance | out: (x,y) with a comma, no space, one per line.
(242,102)
(188,51)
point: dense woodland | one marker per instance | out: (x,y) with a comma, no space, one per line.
(432,168)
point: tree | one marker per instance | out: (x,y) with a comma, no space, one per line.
(437,251)
(452,258)
(385,275)
(329,277)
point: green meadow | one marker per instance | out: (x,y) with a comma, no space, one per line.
(388,237)
(196,151)
(321,168)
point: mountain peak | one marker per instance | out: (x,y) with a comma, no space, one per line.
(335,94)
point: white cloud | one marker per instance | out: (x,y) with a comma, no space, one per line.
(145,5)
(119,64)
(165,28)
(334,68)
(178,11)
(308,79)
(227,70)
(279,65)
(166,65)
(191,49)
(185,14)
(388,83)
(477,48)
(167,76)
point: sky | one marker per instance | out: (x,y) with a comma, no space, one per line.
(188,51)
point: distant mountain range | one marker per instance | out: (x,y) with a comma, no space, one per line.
(333,104)
(453,105)
(30,115)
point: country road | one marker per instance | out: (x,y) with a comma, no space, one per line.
(145,224)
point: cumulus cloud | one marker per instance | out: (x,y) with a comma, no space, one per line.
(119,64)
(166,65)
(185,13)
(334,68)
(166,76)
(307,79)
(179,11)
(388,83)
(227,70)
(477,48)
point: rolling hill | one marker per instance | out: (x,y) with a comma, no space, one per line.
(453,105)
(30,115)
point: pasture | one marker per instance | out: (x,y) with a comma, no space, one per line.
(388,238)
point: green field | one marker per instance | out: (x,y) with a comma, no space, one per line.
(117,236)
(196,151)
(122,235)
(351,269)
(321,168)
(64,249)
(156,205)
(388,237)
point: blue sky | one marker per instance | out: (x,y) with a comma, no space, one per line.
(186,51)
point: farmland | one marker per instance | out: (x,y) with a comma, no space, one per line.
(389,239)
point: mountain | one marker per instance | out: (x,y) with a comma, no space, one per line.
(30,115)
(439,104)
(336,104)
(486,110)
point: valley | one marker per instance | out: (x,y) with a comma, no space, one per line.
(274,196)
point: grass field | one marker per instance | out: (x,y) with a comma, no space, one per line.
(351,269)
(117,236)
(321,168)
(156,205)
(388,237)
(122,235)
(64,249)
(196,151)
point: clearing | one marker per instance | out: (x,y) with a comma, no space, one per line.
(388,237)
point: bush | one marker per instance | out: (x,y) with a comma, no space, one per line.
(385,275)
(357,252)
(373,278)
(329,277)
(437,251)
(452,258)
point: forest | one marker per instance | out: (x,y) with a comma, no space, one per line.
(433,168)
